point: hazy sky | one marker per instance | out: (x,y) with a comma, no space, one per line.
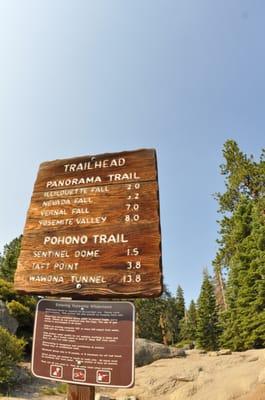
(88,77)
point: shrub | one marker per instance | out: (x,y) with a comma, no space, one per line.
(11,352)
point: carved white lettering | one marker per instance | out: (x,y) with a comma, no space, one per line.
(46,278)
(59,202)
(40,265)
(117,238)
(50,253)
(122,177)
(87,253)
(99,189)
(96,220)
(56,222)
(54,213)
(80,211)
(66,240)
(66,267)
(73,181)
(88,279)
(93,164)
(86,200)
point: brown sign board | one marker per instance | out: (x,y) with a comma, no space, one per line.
(86,343)
(93,228)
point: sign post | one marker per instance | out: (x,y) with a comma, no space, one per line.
(77,392)
(92,231)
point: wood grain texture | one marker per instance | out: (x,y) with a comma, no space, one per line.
(142,163)
(80,392)
(108,208)
(107,234)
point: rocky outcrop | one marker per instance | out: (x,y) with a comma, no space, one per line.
(199,377)
(147,352)
(6,320)
(224,352)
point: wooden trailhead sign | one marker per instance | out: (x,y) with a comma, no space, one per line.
(93,228)
(85,343)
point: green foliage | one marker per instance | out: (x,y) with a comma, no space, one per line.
(243,176)
(21,312)
(148,313)
(241,248)
(60,388)
(180,303)
(208,328)
(21,307)
(8,261)
(7,293)
(244,319)
(160,319)
(11,352)
(156,319)
(169,321)
(188,330)
(180,313)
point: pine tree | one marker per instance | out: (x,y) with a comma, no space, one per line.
(192,322)
(208,329)
(180,313)
(244,320)
(8,261)
(180,303)
(156,318)
(188,326)
(148,312)
(241,249)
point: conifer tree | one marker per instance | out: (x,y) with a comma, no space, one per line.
(244,178)
(241,249)
(188,326)
(156,318)
(208,328)
(148,312)
(179,313)
(192,322)
(244,320)
(8,261)
(180,303)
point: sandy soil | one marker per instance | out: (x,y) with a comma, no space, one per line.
(196,377)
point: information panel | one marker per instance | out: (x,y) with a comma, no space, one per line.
(93,228)
(87,343)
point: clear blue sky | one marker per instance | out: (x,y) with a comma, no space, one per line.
(87,77)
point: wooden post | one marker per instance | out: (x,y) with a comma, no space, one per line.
(80,392)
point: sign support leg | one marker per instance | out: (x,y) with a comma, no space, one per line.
(80,392)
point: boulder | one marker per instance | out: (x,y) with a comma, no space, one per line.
(224,352)
(252,358)
(147,352)
(212,353)
(201,351)
(177,352)
(6,320)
